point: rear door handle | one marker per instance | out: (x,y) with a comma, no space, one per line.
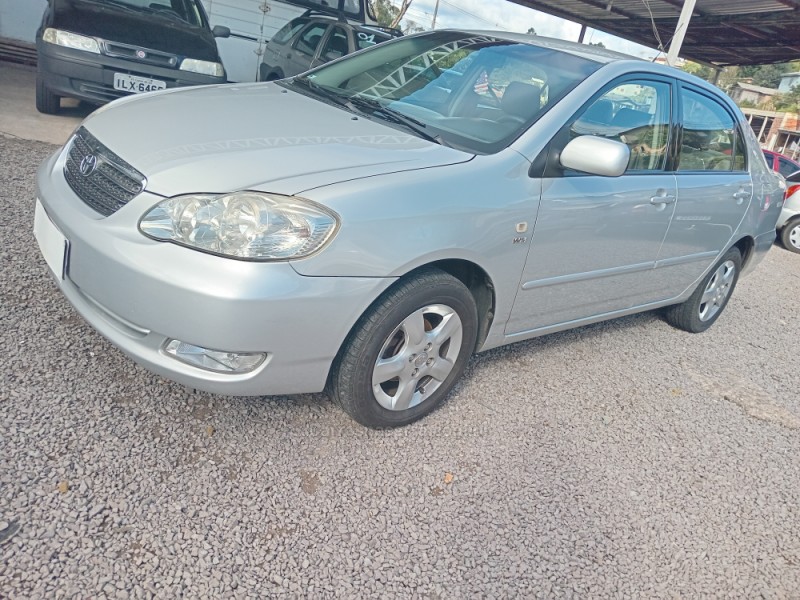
(741,196)
(665,199)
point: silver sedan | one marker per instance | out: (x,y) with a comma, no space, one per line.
(365,227)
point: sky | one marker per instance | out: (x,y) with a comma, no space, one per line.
(505,15)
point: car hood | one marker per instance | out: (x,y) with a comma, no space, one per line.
(149,29)
(224,138)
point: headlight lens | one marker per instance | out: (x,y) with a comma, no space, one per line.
(247,225)
(71,40)
(202,66)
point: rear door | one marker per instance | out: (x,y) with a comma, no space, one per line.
(714,188)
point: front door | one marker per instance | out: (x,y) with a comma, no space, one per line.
(596,239)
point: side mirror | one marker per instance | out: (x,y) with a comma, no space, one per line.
(596,156)
(221,31)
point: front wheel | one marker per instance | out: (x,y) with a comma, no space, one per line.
(46,101)
(710,298)
(790,236)
(406,353)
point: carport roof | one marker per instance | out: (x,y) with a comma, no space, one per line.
(721,32)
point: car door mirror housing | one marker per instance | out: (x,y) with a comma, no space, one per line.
(221,31)
(596,156)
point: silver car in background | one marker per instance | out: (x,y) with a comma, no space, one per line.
(366,227)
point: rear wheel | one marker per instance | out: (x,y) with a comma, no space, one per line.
(790,235)
(710,298)
(406,353)
(46,101)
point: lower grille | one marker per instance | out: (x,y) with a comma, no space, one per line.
(99,177)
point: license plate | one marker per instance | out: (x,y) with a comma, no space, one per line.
(52,243)
(137,85)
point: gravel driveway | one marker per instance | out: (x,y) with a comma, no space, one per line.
(625,459)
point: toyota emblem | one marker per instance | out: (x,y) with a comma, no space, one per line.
(88,165)
(141,53)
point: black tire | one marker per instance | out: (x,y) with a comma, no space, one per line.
(790,235)
(430,300)
(696,315)
(46,101)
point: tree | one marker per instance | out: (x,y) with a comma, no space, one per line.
(598,44)
(387,14)
(531,31)
(789,101)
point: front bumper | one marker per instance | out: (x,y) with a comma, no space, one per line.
(90,77)
(139,293)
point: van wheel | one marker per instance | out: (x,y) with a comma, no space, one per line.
(46,101)
(405,354)
(790,236)
(710,298)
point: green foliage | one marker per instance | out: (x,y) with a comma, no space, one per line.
(788,102)
(385,12)
(701,71)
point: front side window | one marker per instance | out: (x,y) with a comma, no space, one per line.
(709,136)
(636,113)
(287,32)
(310,38)
(468,91)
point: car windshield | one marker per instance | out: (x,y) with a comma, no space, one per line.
(465,90)
(182,10)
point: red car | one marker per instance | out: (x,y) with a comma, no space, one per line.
(780,163)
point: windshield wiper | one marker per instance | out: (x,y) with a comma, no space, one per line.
(375,108)
(318,90)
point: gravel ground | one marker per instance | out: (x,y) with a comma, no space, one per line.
(626,459)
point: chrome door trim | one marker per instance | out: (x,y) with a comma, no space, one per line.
(599,274)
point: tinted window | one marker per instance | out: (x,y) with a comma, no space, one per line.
(366,38)
(311,37)
(636,114)
(709,134)
(286,32)
(786,167)
(740,153)
(336,46)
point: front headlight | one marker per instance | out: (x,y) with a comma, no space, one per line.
(246,225)
(203,67)
(71,40)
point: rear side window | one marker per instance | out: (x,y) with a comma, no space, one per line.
(365,39)
(286,32)
(336,46)
(311,37)
(709,136)
(786,167)
(636,113)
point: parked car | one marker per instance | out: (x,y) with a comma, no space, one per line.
(100,50)
(780,163)
(314,39)
(366,227)
(788,225)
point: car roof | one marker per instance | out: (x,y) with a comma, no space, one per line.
(594,53)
